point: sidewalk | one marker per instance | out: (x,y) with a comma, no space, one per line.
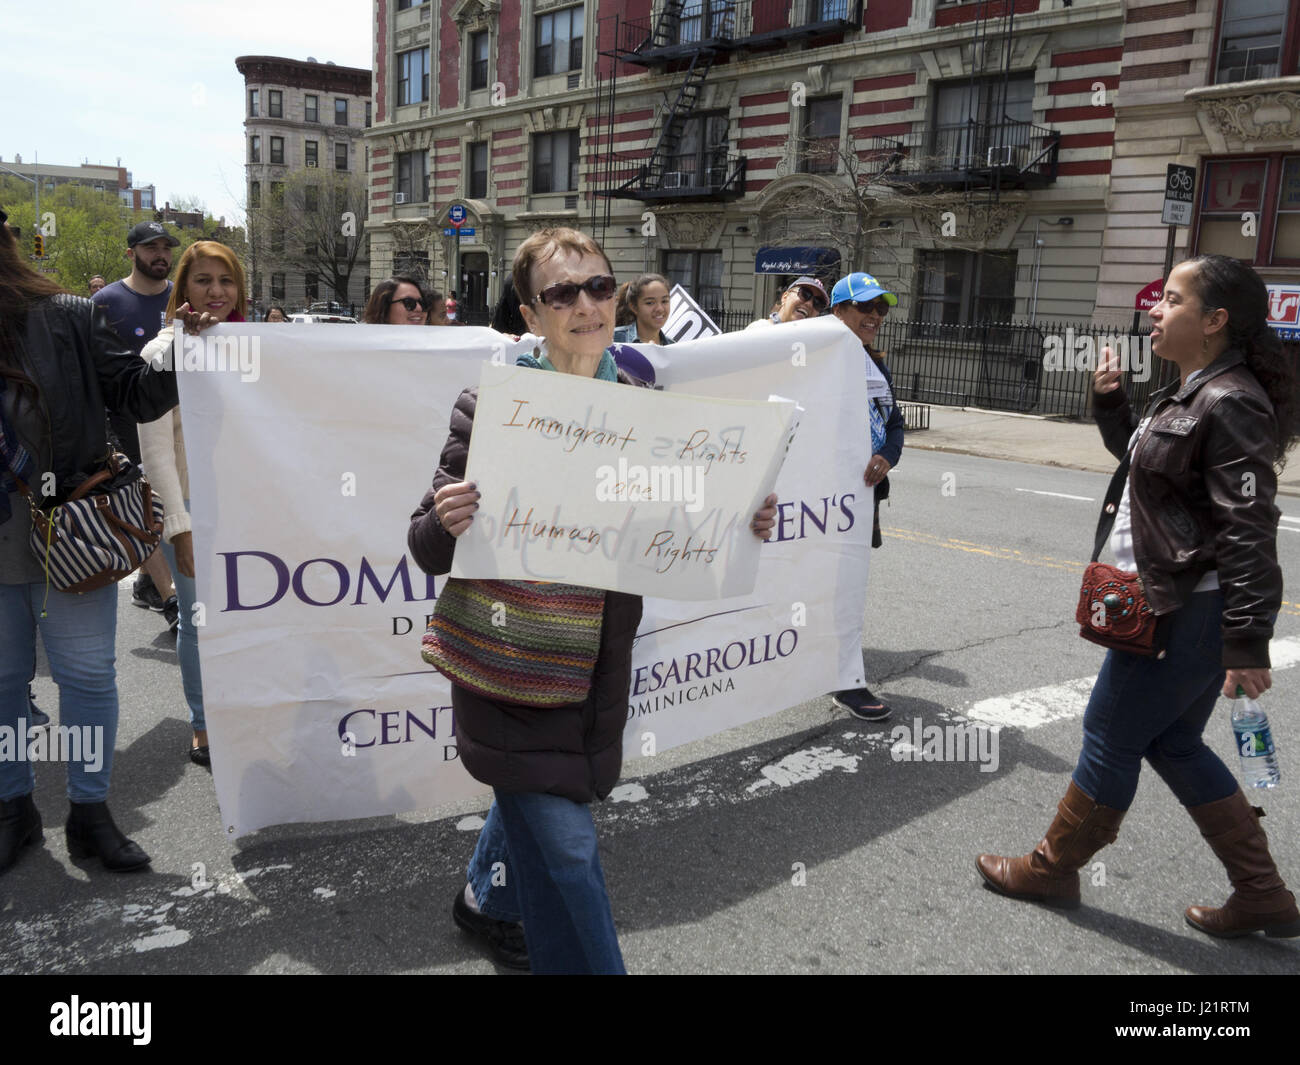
(1032,438)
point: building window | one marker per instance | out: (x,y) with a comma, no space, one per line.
(277,286)
(310,109)
(973,121)
(406,5)
(478,162)
(252,103)
(413,76)
(413,176)
(367,114)
(255,287)
(1266,187)
(277,193)
(311,154)
(277,150)
(277,237)
(559,42)
(555,162)
(340,112)
(275,103)
(254,194)
(701,157)
(311,197)
(478,50)
(341,156)
(699,272)
(1250,40)
(965,287)
(311,288)
(254,149)
(829,11)
(819,151)
(705,19)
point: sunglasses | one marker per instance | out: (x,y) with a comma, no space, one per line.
(879,305)
(600,288)
(410,303)
(810,295)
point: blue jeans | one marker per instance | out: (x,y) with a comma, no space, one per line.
(187,639)
(536,861)
(1157,708)
(79,634)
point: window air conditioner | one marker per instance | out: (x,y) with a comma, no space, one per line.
(401,197)
(675,179)
(999,155)
(311,162)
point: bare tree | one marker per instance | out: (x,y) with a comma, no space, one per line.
(313,222)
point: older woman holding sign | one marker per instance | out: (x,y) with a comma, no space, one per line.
(539,702)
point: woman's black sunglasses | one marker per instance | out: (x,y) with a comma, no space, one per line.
(410,303)
(600,288)
(880,305)
(810,295)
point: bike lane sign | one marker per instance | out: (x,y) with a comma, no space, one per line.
(1180,181)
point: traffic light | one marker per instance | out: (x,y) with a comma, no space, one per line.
(38,246)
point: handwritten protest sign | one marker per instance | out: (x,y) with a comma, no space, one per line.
(594,483)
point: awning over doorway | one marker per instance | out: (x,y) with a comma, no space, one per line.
(795,260)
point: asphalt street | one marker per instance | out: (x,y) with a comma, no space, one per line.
(807,842)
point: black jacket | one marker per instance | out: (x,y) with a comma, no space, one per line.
(1201,489)
(81,367)
(575,751)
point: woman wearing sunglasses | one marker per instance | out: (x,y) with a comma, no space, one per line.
(805,298)
(398,300)
(861,303)
(546,765)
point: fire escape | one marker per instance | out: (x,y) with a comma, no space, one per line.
(690,158)
(974,142)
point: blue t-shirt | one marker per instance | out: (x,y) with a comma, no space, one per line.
(136,318)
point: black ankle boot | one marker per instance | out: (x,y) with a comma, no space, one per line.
(91,832)
(20,824)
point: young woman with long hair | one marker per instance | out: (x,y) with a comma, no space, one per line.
(61,365)
(1196,521)
(648,302)
(209,289)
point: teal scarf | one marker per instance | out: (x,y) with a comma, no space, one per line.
(606,371)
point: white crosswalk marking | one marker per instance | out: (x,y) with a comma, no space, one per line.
(1036,707)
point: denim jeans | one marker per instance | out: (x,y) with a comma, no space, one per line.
(536,860)
(79,634)
(1157,708)
(187,639)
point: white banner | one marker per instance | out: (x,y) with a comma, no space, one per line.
(303,477)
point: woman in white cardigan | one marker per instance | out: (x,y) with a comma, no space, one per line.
(209,289)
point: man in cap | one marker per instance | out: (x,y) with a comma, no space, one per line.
(804,298)
(135,307)
(861,303)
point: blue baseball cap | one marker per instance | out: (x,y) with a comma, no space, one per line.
(860,287)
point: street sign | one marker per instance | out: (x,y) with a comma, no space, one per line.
(467,231)
(1150,295)
(456,215)
(449,232)
(1180,181)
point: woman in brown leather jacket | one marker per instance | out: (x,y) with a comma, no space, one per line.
(1197,522)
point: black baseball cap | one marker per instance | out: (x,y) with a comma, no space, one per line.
(144,232)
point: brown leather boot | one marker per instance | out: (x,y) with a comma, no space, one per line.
(1259,901)
(1051,873)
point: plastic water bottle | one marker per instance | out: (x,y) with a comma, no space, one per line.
(1254,743)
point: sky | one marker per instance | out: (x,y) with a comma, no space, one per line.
(155,83)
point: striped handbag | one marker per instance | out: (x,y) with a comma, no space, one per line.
(103,532)
(527,642)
